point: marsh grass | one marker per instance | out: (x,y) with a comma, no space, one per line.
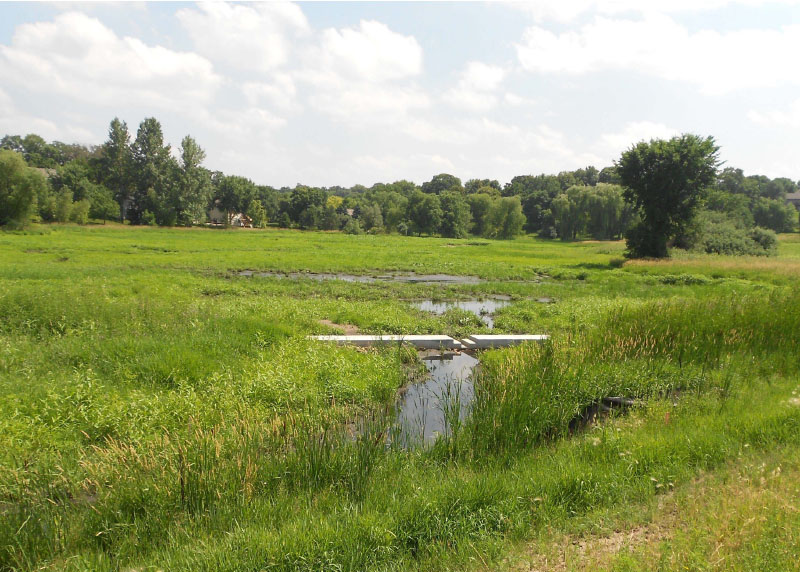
(159,411)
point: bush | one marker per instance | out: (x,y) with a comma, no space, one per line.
(148,218)
(765,237)
(726,238)
(352,227)
(80,211)
(715,232)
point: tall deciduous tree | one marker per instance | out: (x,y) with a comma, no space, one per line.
(665,179)
(116,162)
(152,165)
(456,216)
(234,194)
(424,212)
(505,219)
(441,183)
(193,189)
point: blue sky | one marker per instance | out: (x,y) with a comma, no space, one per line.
(344,93)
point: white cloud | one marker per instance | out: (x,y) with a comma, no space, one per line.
(364,74)
(476,87)
(250,37)
(13,121)
(656,45)
(374,104)
(568,10)
(280,92)
(777,118)
(79,57)
(518,100)
(615,143)
(370,52)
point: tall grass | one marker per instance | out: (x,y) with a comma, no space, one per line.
(159,412)
(530,393)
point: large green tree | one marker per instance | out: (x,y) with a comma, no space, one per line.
(153,166)
(192,191)
(19,187)
(456,216)
(665,179)
(424,212)
(234,194)
(505,219)
(441,183)
(116,163)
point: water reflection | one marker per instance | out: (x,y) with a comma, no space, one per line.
(428,409)
(484,309)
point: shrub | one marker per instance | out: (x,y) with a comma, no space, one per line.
(717,233)
(725,238)
(352,227)
(148,218)
(766,238)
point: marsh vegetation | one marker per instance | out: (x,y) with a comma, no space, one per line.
(161,410)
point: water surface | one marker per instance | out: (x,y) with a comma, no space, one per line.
(484,309)
(426,409)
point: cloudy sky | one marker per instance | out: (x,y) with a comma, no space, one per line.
(345,93)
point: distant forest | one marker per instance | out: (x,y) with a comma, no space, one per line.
(137,179)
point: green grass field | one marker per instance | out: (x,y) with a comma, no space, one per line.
(160,411)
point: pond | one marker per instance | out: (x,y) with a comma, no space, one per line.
(410,278)
(484,309)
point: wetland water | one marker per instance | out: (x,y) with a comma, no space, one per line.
(363,278)
(427,409)
(484,309)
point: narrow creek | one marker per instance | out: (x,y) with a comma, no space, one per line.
(426,409)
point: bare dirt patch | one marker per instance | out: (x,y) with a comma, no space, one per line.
(347,329)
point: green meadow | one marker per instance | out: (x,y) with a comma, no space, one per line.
(161,410)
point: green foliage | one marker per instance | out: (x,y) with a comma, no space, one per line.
(116,159)
(774,214)
(63,210)
(441,183)
(480,204)
(665,180)
(192,191)
(456,216)
(371,218)
(160,411)
(233,195)
(505,219)
(352,226)
(80,211)
(153,169)
(148,219)
(425,213)
(19,187)
(258,214)
(720,235)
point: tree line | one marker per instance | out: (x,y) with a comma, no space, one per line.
(139,179)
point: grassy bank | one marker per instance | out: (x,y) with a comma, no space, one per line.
(161,411)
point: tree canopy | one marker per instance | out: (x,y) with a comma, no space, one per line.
(19,186)
(665,179)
